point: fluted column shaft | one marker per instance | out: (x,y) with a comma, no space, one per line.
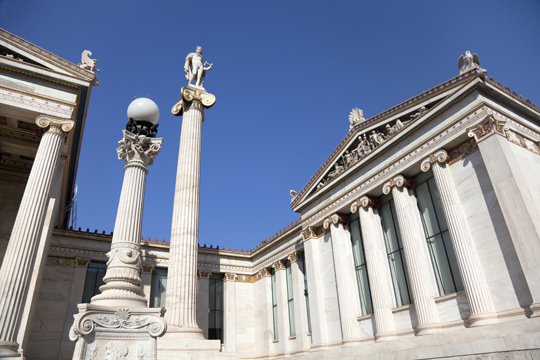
(122,280)
(16,271)
(182,278)
(377,264)
(417,257)
(348,297)
(476,288)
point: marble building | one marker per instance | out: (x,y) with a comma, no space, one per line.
(418,238)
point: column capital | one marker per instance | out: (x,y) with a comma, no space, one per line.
(294,256)
(81,262)
(438,156)
(264,272)
(54,124)
(364,201)
(279,265)
(193,97)
(146,268)
(230,277)
(335,219)
(487,127)
(204,274)
(397,181)
(308,233)
(139,148)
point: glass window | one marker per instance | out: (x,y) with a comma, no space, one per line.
(274,303)
(394,250)
(441,251)
(94,279)
(159,287)
(360,265)
(306,291)
(290,298)
(215,316)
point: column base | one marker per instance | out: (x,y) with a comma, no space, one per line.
(182,345)
(482,319)
(385,336)
(535,308)
(185,332)
(427,329)
(102,331)
(9,350)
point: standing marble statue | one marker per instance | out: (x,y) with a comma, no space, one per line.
(194,67)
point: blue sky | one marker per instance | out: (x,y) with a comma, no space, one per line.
(286,75)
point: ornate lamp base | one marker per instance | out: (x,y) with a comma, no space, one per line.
(107,332)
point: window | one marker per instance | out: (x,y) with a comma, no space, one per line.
(274,303)
(215,315)
(438,239)
(159,287)
(306,291)
(94,279)
(290,298)
(394,250)
(360,265)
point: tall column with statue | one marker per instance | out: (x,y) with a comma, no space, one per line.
(182,274)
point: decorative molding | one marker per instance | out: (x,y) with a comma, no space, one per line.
(193,98)
(522,141)
(138,149)
(245,278)
(204,274)
(230,277)
(487,127)
(397,181)
(308,233)
(264,272)
(60,261)
(294,256)
(439,155)
(40,104)
(462,150)
(365,201)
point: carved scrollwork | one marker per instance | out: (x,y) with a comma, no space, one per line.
(138,148)
(397,181)
(366,201)
(439,155)
(488,126)
(44,121)
(335,219)
(279,265)
(309,233)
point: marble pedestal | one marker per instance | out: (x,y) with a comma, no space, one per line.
(107,332)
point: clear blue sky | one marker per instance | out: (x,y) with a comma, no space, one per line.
(286,75)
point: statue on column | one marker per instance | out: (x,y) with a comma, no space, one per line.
(194,67)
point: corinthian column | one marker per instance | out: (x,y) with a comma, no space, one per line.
(377,264)
(16,271)
(348,298)
(122,281)
(480,304)
(182,275)
(416,253)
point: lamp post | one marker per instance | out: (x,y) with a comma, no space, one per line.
(118,320)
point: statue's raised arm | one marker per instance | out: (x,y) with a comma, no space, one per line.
(194,68)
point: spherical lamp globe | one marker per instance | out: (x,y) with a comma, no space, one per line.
(143,109)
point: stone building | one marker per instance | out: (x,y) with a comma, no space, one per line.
(418,238)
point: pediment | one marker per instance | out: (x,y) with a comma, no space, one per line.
(371,137)
(19,53)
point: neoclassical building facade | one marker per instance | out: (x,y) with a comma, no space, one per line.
(419,237)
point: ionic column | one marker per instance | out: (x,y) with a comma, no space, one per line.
(16,271)
(229,312)
(181,298)
(300,308)
(377,264)
(262,290)
(348,297)
(122,281)
(416,253)
(482,311)
(146,279)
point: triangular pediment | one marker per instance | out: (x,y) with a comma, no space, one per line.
(19,53)
(376,135)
